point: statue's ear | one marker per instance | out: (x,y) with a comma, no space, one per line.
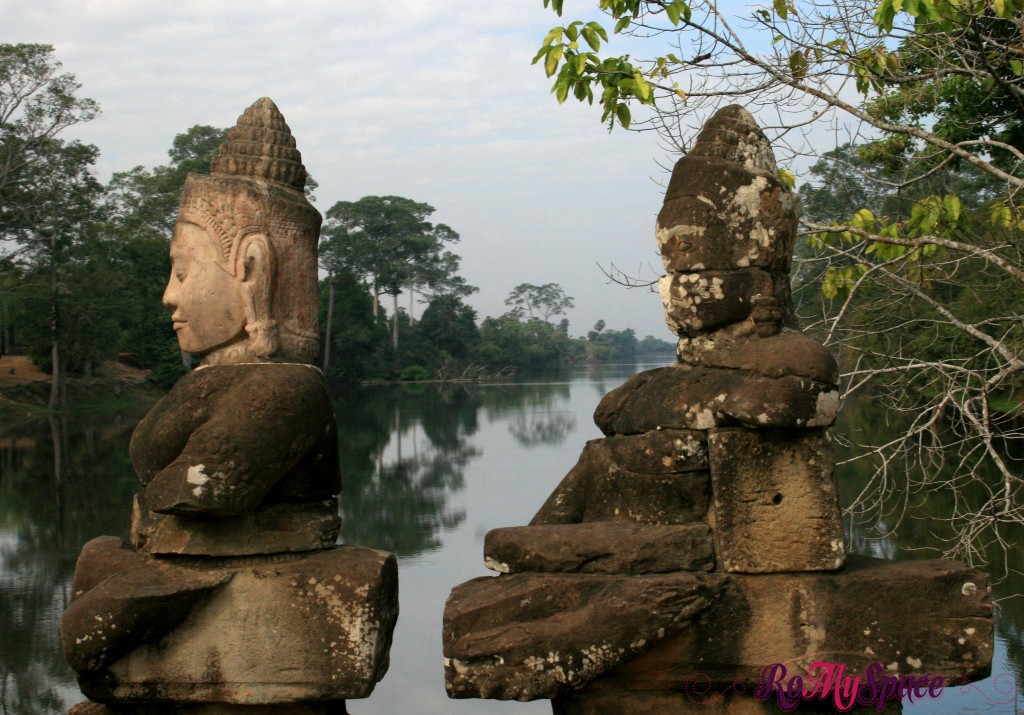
(256,269)
(256,261)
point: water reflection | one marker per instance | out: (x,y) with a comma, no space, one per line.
(403,453)
(62,481)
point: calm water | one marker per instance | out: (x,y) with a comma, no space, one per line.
(427,472)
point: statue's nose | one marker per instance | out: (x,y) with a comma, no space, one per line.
(170,297)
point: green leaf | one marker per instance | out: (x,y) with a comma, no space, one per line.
(643,89)
(672,11)
(622,24)
(780,8)
(1000,7)
(884,15)
(562,89)
(622,112)
(554,57)
(592,38)
(1017,67)
(953,206)
(798,65)
(553,36)
(1001,215)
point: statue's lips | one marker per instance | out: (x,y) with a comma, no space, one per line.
(179,324)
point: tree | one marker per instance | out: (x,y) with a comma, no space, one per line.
(450,325)
(37,103)
(48,196)
(538,302)
(931,96)
(388,242)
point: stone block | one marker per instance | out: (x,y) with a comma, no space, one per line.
(721,216)
(531,636)
(121,598)
(599,547)
(664,451)
(280,630)
(276,528)
(325,708)
(599,489)
(788,353)
(688,397)
(932,616)
(700,302)
(775,502)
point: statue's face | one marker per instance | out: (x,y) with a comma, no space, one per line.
(206,299)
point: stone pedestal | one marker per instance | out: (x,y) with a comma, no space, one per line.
(699,545)
(261,630)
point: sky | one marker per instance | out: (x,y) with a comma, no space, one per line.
(436,101)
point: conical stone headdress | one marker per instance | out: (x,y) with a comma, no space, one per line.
(261,145)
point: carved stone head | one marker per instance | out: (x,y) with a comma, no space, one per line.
(243,283)
(726,233)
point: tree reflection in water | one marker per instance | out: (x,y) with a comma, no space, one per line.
(75,465)
(396,484)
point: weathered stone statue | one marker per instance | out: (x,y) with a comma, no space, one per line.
(231,592)
(700,540)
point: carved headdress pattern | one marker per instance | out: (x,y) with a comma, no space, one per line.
(261,145)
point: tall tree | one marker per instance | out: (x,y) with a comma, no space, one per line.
(388,242)
(144,202)
(538,302)
(48,196)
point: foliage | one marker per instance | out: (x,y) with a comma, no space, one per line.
(610,345)
(37,103)
(651,346)
(529,346)
(450,325)
(387,241)
(538,302)
(144,202)
(361,343)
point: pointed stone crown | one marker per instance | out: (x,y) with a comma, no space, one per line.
(261,146)
(732,135)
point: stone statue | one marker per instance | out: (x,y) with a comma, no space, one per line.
(701,539)
(231,591)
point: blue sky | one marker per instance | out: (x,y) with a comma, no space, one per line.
(436,101)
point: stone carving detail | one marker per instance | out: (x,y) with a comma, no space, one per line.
(701,538)
(231,593)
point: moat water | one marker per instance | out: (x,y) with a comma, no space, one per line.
(427,471)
